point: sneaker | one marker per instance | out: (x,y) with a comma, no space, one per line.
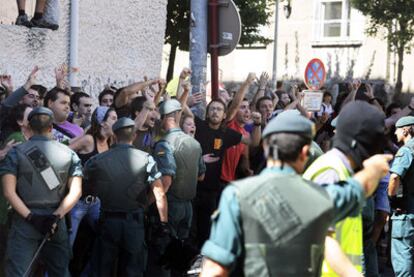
(42,23)
(22,20)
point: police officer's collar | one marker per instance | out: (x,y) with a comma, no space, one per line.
(39,137)
(286,169)
(121,145)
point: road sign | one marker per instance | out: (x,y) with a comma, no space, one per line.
(229,27)
(315,74)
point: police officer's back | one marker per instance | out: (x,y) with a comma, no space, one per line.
(122,178)
(179,157)
(274,224)
(42,182)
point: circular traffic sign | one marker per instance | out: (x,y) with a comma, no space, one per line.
(315,74)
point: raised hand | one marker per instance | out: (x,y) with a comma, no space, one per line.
(31,80)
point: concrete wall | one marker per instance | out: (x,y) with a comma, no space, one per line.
(359,56)
(119,42)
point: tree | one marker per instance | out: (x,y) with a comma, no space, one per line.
(396,19)
(253,14)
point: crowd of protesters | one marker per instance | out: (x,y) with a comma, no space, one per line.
(231,148)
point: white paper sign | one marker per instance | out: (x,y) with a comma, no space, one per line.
(312,100)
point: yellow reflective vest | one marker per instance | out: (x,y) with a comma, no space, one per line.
(348,232)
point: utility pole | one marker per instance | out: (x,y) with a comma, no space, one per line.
(214,46)
(198,50)
(274,73)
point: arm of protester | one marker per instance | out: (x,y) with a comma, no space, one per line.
(372,100)
(264,77)
(390,121)
(257,129)
(60,75)
(244,163)
(161,91)
(239,96)
(6,149)
(82,144)
(7,83)
(127,91)
(185,73)
(351,96)
(14,98)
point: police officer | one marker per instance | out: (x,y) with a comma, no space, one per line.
(122,178)
(179,157)
(260,230)
(402,199)
(42,181)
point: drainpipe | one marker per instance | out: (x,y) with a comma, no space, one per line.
(213,30)
(73,43)
(275,37)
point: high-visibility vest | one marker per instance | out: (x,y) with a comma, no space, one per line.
(348,232)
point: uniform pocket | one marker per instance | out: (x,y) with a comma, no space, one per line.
(402,226)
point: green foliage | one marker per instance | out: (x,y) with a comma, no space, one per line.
(396,16)
(254,14)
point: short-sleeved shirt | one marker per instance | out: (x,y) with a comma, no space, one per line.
(232,156)
(65,131)
(402,160)
(10,164)
(164,156)
(226,238)
(145,140)
(214,142)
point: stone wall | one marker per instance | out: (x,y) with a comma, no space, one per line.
(119,42)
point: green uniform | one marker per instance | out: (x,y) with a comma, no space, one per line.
(121,178)
(227,243)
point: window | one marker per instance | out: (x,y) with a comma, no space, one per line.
(332,20)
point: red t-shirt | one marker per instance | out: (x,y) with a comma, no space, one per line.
(232,156)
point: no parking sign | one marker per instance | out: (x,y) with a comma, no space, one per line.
(315,76)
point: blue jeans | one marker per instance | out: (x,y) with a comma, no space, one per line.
(83,208)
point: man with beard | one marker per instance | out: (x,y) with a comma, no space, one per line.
(358,136)
(214,139)
(58,101)
(147,126)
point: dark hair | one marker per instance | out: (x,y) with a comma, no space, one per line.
(136,105)
(52,95)
(41,123)
(103,93)
(288,145)
(260,100)
(40,89)
(327,93)
(75,98)
(125,134)
(390,107)
(218,101)
(95,129)
(10,125)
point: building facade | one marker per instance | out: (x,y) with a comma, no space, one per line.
(119,42)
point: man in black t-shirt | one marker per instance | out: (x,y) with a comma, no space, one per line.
(214,139)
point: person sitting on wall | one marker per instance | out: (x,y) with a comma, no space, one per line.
(37,21)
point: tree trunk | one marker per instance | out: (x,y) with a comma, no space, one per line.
(400,68)
(171,62)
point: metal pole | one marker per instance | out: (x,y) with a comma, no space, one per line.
(274,74)
(198,50)
(29,268)
(213,30)
(73,44)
